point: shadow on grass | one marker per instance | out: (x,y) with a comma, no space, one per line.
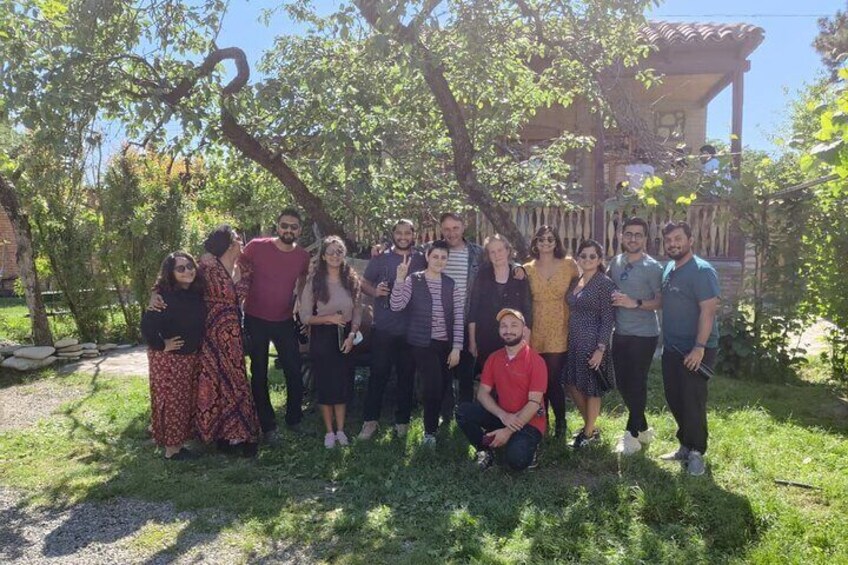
(389,500)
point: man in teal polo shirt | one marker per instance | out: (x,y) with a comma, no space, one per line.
(690,298)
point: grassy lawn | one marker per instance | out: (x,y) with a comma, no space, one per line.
(392,501)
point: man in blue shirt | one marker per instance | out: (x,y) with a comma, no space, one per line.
(690,298)
(639,280)
(388,335)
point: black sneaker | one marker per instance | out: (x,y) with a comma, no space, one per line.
(485,459)
(535,461)
(249,449)
(596,436)
(580,440)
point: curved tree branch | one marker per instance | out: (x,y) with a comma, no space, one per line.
(248,144)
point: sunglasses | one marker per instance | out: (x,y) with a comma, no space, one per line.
(586,256)
(335,252)
(288,226)
(626,274)
(183,268)
(547,239)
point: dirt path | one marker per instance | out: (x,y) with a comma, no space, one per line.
(131,361)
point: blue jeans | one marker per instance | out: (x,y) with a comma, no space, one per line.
(475,421)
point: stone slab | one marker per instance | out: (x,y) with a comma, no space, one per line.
(24,364)
(89,345)
(65,342)
(37,353)
(69,349)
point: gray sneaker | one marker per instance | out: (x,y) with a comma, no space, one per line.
(682,454)
(695,465)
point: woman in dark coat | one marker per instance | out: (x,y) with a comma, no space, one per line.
(495,288)
(589,331)
(173,337)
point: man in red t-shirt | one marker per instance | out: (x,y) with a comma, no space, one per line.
(275,268)
(516,419)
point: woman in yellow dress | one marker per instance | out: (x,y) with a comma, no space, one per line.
(550,273)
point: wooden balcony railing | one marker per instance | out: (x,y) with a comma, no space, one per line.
(573,224)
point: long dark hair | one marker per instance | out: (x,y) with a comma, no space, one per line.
(598,249)
(219,241)
(349,277)
(559,250)
(166,282)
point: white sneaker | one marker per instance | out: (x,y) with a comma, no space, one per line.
(628,445)
(341,439)
(368,430)
(429,440)
(646,437)
(695,464)
(329,440)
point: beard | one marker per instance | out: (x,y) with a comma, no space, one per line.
(512,342)
(677,254)
(288,238)
(403,246)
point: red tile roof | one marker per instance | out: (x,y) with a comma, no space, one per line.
(666,34)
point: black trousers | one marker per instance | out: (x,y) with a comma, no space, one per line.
(632,356)
(474,421)
(284,336)
(555,395)
(389,351)
(464,373)
(686,394)
(431,364)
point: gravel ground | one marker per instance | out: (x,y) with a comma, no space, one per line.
(131,361)
(23,405)
(118,531)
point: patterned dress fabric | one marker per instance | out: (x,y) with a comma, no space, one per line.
(225,408)
(591,323)
(550,311)
(173,385)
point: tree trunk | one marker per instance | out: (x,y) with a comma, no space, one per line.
(463,149)
(274,163)
(25,258)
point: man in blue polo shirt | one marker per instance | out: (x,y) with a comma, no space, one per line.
(388,335)
(690,298)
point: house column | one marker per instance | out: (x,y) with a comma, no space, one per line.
(736,123)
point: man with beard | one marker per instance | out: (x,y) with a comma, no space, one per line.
(639,280)
(275,267)
(389,347)
(690,298)
(515,419)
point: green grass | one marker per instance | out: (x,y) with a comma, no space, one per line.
(15,323)
(392,501)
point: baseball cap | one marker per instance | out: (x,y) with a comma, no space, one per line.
(510,312)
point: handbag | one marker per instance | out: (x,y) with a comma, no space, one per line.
(604,374)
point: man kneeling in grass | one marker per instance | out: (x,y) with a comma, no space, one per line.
(515,420)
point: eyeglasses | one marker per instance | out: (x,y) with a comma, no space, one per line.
(183,268)
(626,274)
(335,252)
(547,239)
(631,235)
(288,226)
(586,256)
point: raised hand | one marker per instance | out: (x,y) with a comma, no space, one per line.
(403,269)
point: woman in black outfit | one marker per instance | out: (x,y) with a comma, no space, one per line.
(495,288)
(173,336)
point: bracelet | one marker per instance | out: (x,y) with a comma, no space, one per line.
(700,346)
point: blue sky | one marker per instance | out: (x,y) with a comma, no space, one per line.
(783,63)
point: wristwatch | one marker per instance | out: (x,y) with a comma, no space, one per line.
(638,303)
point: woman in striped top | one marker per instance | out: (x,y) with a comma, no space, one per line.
(435,328)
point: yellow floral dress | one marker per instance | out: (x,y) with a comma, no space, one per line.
(550,311)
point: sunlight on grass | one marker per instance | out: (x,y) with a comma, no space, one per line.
(392,500)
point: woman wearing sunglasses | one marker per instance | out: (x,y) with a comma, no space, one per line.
(173,336)
(589,374)
(550,274)
(330,305)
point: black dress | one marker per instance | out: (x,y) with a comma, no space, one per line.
(488,297)
(590,324)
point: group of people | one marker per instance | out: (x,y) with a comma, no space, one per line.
(536,333)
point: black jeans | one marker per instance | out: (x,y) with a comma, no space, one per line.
(389,351)
(284,336)
(464,373)
(474,421)
(555,395)
(632,356)
(432,366)
(686,394)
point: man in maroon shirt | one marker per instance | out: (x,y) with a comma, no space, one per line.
(277,268)
(516,419)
